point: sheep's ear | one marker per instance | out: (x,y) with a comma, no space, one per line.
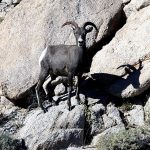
(89,29)
(73,27)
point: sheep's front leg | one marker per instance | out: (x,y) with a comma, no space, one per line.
(78,88)
(42,77)
(70,81)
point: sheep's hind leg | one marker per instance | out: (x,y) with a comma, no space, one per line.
(58,80)
(42,77)
(70,80)
(32,106)
(48,81)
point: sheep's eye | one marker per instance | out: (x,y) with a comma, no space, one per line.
(83,34)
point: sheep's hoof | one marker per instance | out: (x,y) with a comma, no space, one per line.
(69,105)
(78,100)
(32,106)
(54,103)
(45,110)
(69,109)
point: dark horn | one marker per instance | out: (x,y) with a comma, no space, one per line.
(70,23)
(91,24)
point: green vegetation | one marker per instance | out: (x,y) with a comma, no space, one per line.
(132,139)
(1,19)
(126,106)
(7,143)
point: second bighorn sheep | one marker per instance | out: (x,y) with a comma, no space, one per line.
(65,60)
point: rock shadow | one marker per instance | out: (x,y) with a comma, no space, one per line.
(98,87)
(132,78)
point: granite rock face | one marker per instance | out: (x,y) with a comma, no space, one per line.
(135,6)
(131,43)
(58,128)
(32,25)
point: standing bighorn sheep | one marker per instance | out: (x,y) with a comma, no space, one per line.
(65,60)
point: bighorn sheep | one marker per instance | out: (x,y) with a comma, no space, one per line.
(65,60)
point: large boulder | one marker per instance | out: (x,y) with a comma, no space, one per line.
(130,44)
(11,117)
(30,26)
(119,138)
(6,6)
(135,5)
(56,129)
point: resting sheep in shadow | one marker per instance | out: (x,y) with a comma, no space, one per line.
(65,60)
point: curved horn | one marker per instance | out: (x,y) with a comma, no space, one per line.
(70,22)
(91,24)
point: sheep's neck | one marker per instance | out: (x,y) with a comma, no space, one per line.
(84,56)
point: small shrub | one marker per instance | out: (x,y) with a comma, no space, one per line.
(1,19)
(126,106)
(7,143)
(132,139)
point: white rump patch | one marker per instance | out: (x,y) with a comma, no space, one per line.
(42,55)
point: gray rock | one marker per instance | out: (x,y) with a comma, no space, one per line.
(147,110)
(135,5)
(3,8)
(135,117)
(95,96)
(75,102)
(5,102)
(133,85)
(7,6)
(126,1)
(60,89)
(8,2)
(92,100)
(58,125)
(62,139)
(108,122)
(34,24)
(11,117)
(121,51)
(89,147)
(16,1)
(114,114)
(63,99)
(96,118)
(112,117)
(134,138)
(114,129)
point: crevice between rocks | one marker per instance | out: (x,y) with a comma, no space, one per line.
(88,133)
(27,98)
(87,127)
(114,27)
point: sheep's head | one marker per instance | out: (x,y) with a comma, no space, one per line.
(80,32)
